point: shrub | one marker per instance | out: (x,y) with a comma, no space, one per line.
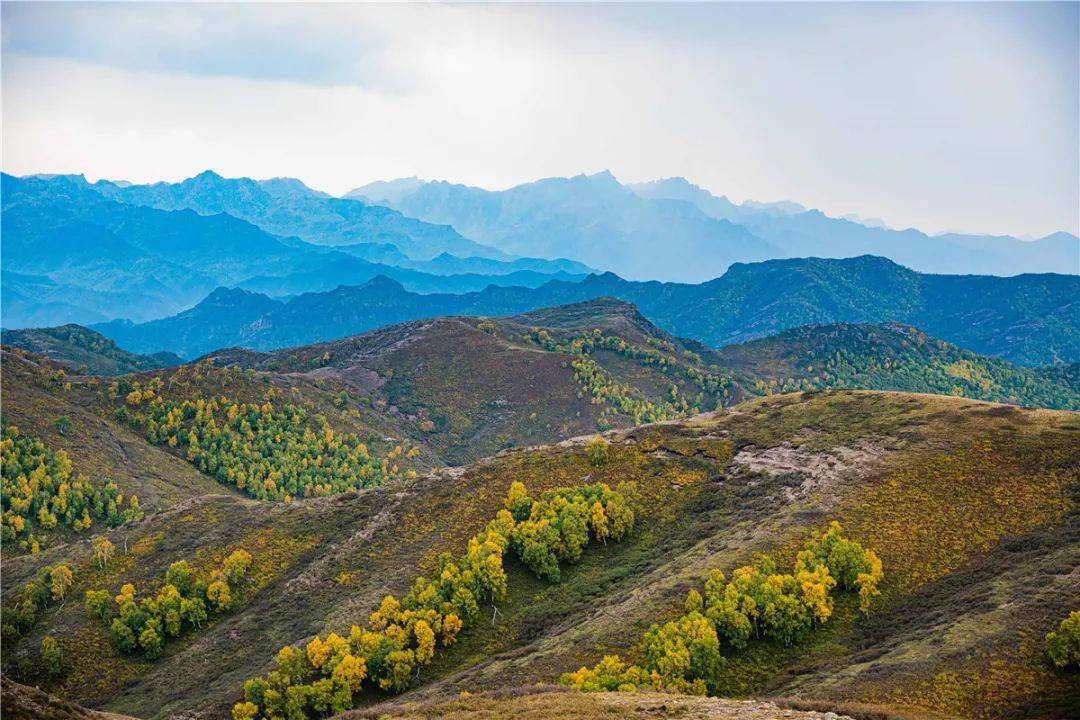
(52,660)
(598,451)
(1063,645)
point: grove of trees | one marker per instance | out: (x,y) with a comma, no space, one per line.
(271,453)
(327,676)
(1063,644)
(186,600)
(41,492)
(758,602)
(50,585)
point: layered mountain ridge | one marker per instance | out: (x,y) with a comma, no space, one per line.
(1029,319)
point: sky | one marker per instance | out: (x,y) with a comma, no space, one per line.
(931,115)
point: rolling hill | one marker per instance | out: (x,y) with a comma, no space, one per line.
(464,387)
(971,507)
(84,351)
(1028,319)
(892,357)
(467,387)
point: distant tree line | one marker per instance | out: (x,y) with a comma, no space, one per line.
(714,389)
(915,362)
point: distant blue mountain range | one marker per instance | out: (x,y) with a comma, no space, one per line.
(80,252)
(674,230)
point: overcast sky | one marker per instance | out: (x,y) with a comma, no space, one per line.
(928,115)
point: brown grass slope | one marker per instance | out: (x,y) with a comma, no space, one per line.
(559,703)
(972,507)
(469,387)
(20,702)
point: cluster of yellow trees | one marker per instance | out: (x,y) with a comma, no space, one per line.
(327,675)
(50,585)
(41,491)
(603,389)
(271,453)
(683,655)
(716,388)
(184,601)
(555,528)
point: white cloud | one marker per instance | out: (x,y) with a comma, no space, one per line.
(927,115)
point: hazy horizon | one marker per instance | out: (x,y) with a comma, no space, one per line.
(941,117)
(852,216)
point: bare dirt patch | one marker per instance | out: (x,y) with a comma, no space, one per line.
(819,471)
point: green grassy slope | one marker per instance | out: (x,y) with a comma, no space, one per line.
(970,505)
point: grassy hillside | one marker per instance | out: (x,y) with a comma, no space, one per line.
(84,351)
(85,417)
(468,387)
(971,506)
(555,703)
(893,357)
(27,703)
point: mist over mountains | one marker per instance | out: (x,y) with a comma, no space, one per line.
(651,230)
(193,266)
(81,252)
